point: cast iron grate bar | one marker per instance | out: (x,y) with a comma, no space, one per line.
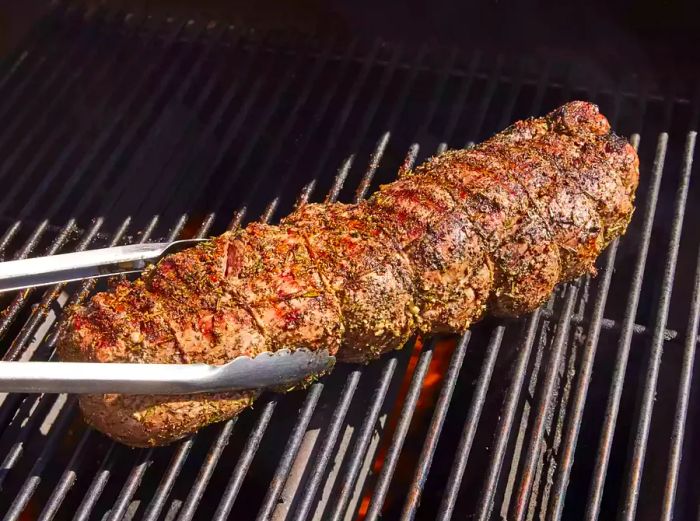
(217,34)
(49,447)
(39,312)
(353,379)
(55,135)
(173,471)
(558,493)
(539,424)
(396,444)
(13,101)
(682,403)
(636,462)
(658,93)
(508,415)
(106,133)
(189,507)
(569,443)
(470,425)
(425,458)
(458,468)
(129,67)
(612,409)
(200,483)
(379,395)
(183,449)
(57,430)
(291,450)
(140,467)
(306,412)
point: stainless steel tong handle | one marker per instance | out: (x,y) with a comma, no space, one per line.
(279,369)
(89,264)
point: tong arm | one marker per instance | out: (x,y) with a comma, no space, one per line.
(277,369)
(68,267)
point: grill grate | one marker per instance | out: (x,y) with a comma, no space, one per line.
(131,128)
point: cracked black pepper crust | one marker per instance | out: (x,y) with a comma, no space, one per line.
(491,229)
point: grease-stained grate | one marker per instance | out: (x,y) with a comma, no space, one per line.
(129,128)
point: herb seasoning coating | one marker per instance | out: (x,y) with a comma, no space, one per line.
(491,229)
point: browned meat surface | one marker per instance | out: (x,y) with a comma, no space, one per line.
(490,229)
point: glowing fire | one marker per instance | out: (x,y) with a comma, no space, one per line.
(442,353)
(192,226)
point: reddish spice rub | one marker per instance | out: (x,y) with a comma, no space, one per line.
(491,229)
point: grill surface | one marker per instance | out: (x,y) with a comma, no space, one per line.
(119,128)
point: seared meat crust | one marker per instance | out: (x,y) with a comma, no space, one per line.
(491,229)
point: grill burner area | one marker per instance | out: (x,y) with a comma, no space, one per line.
(120,128)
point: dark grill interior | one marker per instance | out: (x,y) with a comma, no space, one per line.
(120,128)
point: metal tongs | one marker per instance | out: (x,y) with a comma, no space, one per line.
(88,264)
(279,370)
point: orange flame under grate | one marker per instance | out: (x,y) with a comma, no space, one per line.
(442,353)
